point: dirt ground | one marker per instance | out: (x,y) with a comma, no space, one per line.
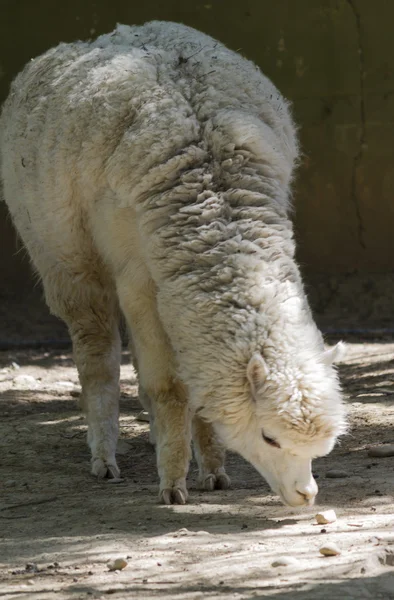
(60,527)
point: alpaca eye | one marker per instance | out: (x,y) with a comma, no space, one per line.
(270,441)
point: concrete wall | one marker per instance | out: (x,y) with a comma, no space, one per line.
(332,58)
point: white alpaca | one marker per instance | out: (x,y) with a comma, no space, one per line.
(151,169)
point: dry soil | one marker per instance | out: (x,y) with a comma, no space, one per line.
(60,527)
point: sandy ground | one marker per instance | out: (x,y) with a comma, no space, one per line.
(60,527)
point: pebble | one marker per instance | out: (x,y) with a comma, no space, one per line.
(115,480)
(181,532)
(285,561)
(117,565)
(328,516)
(143,416)
(336,474)
(381,451)
(25,381)
(15,366)
(330,549)
(22,429)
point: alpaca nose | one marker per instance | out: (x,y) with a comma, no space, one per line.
(308,491)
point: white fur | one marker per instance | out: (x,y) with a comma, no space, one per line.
(152,167)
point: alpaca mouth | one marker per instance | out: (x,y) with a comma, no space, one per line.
(301,503)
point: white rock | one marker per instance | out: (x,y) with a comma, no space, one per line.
(69,385)
(285,561)
(327,516)
(117,565)
(15,366)
(329,549)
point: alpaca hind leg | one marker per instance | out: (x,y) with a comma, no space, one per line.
(210,454)
(91,316)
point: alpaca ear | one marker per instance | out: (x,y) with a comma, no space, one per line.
(257,371)
(334,354)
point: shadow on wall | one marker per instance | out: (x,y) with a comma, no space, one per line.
(334,60)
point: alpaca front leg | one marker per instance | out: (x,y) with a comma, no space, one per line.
(172,421)
(160,391)
(209,453)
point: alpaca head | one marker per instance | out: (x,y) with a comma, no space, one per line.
(294,415)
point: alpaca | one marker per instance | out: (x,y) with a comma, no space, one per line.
(150,170)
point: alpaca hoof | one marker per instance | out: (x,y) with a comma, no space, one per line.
(173,495)
(104,470)
(211,482)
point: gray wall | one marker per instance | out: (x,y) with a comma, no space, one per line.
(332,58)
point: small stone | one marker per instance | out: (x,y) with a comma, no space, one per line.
(285,561)
(382,451)
(15,366)
(117,565)
(330,549)
(328,516)
(22,429)
(69,385)
(25,381)
(115,480)
(143,416)
(386,557)
(336,474)
(182,532)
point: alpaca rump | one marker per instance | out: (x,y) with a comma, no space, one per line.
(150,169)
